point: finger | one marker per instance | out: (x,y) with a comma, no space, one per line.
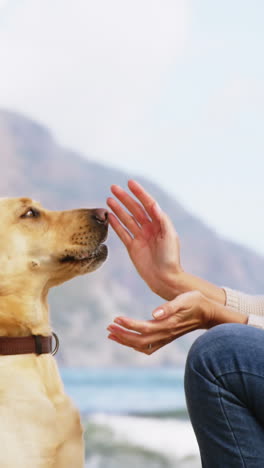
(120,340)
(143,349)
(132,205)
(124,217)
(118,331)
(173,327)
(122,233)
(136,339)
(149,203)
(144,326)
(183,301)
(161,220)
(172,307)
(141,342)
(154,348)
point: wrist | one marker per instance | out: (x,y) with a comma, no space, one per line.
(181,282)
(221,314)
(172,285)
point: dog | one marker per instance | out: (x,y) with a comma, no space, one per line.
(39,249)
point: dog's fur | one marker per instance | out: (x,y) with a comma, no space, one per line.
(39,426)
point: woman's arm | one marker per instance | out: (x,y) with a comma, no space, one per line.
(188,312)
(154,247)
(252,306)
(153,244)
(185,282)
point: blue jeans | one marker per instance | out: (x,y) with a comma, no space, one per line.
(224,387)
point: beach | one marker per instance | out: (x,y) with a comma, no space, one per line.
(133,417)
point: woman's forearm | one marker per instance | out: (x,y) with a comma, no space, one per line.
(184,282)
(221,314)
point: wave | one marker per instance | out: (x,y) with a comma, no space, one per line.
(179,413)
(126,391)
(117,441)
(123,376)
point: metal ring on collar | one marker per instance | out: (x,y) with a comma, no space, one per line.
(57,344)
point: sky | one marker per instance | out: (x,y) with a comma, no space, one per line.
(168,89)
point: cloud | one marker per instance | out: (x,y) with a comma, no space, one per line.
(91,69)
(145,85)
(241,98)
(3,4)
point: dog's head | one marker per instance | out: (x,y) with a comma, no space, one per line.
(57,244)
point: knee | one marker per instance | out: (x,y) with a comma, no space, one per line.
(212,349)
(211,340)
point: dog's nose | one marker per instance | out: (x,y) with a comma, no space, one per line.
(101,216)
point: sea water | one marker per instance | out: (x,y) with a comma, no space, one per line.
(133,417)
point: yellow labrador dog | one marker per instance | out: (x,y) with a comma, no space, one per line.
(39,426)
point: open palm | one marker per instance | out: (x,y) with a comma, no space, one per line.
(149,236)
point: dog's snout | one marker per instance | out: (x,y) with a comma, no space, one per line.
(100,215)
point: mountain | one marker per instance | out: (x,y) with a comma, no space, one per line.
(34,165)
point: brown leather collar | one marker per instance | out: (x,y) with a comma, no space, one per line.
(36,344)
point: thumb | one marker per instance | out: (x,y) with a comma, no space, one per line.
(167,309)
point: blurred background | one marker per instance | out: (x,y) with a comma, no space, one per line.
(169,92)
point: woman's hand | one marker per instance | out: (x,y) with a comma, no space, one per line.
(150,238)
(189,311)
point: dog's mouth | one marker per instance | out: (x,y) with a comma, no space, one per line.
(100,253)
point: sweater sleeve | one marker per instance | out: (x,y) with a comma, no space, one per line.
(252,306)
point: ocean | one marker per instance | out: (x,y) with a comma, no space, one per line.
(133,417)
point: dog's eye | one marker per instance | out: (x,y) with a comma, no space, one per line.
(31,213)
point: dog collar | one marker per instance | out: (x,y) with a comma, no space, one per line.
(36,344)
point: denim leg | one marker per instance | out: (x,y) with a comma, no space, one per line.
(224,388)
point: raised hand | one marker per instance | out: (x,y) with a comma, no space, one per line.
(149,236)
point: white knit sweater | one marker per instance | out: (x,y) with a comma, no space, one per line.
(252,306)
